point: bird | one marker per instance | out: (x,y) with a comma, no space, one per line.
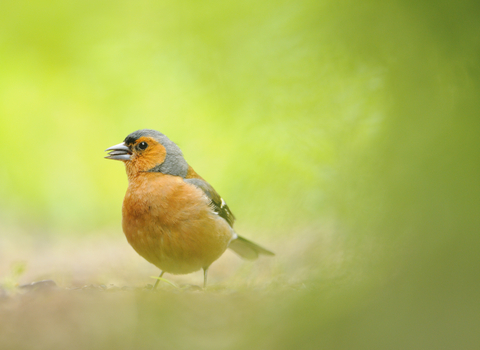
(171,216)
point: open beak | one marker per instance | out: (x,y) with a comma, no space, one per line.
(119,152)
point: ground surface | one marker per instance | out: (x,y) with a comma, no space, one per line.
(96,292)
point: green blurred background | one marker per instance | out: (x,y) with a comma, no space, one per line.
(343,135)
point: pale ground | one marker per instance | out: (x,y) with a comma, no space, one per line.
(107,258)
(242,296)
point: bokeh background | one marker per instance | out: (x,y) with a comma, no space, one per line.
(343,135)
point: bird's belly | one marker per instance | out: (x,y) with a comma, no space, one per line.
(178,246)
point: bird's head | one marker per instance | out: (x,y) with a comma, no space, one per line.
(149,151)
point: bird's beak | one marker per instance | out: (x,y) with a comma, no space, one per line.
(119,152)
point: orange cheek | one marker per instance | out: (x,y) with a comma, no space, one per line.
(146,160)
(156,154)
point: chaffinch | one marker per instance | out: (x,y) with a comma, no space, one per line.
(171,216)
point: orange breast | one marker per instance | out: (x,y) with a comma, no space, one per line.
(169,223)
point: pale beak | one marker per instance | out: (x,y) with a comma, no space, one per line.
(119,152)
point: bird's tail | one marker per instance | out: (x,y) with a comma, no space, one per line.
(247,249)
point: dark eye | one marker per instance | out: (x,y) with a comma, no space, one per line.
(142,145)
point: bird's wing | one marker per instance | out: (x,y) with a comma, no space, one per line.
(217,203)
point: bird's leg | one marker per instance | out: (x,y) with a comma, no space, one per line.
(156,283)
(205,271)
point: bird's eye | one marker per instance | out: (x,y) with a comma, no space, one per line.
(142,145)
